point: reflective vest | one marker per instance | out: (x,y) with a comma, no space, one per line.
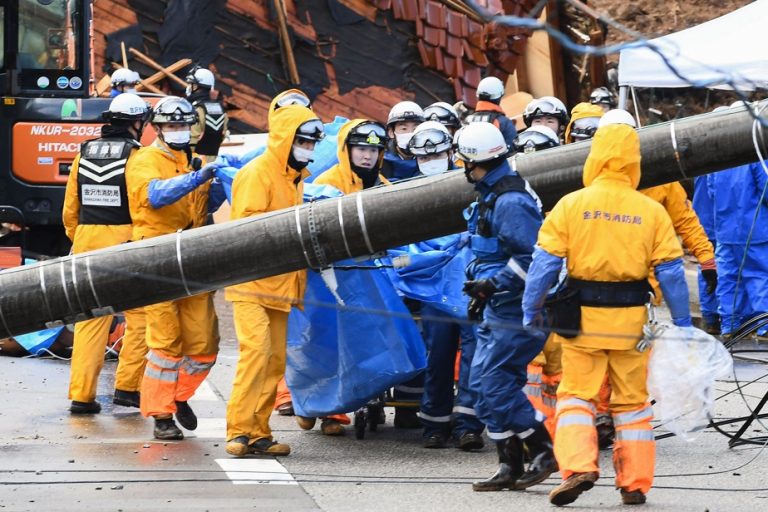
(483,117)
(101,181)
(213,134)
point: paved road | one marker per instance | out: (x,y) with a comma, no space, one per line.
(50,460)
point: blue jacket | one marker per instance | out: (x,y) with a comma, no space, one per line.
(703,206)
(735,195)
(514,223)
(396,168)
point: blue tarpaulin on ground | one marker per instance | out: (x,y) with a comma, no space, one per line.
(36,343)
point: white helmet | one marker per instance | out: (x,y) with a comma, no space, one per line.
(603,96)
(444,113)
(490,88)
(536,138)
(202,77)
(429,138)
(127,107)
(617,116)
(546,106)
(173,109)
(124,76)
(405,111)
(479,142)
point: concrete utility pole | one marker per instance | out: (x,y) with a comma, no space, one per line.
(314,235)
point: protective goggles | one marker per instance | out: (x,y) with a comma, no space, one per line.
(442,115)
(174,110)
(584,128)
(292,98)
(311,130)
(368,134)
(429,142)
(540,108)
(530,141)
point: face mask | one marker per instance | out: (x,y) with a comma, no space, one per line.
(132,90)
(437,166)
(176,140)
(403,139)
(303,155)
(188,90)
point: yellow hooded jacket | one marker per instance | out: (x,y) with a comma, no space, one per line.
(341,175)
(266,184)
(156,162)
(609,231)
(581,111)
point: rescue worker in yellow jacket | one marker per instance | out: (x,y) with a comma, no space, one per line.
(95,216)
(583,123)
(361,153)
(181,351)
(270,182)
(585,227)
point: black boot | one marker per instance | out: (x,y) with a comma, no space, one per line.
(510,452)
(543,461)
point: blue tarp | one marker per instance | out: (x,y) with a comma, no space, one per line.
(435,273)
(339,358)
(36,343)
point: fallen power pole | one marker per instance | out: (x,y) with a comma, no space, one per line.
(316,234)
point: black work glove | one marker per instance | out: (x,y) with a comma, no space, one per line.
(710,277)
(475,309)
(481,289)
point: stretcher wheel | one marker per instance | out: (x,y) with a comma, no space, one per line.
(361,417)
(373,416)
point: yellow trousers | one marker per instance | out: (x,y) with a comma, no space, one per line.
(133,354)
(90,343)
(261,333)
(576,449)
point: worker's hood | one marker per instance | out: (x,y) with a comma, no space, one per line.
(615,155)
(282,130)
(581,111)
(273,107)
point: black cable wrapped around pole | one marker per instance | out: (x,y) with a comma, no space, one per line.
(173,266)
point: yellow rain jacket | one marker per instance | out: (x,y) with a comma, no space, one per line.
(610,232)
(157,161)
(341,175)
(266,184)
(673,198)
(580,111)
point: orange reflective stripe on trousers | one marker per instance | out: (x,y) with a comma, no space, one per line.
(634,449)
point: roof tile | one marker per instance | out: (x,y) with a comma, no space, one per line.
(454,46)
(435,14)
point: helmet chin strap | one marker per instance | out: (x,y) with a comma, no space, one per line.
(468,168)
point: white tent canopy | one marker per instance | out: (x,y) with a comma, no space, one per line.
(732,47)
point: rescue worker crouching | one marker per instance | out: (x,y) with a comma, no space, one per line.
(269,182)
(490,90)
(181,351)
(502,225)
(443,415)
(401,122)
(211,127)
(361,153)
(585,227)
(96,215)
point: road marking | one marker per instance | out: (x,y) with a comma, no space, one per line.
(209,428)
(256,471)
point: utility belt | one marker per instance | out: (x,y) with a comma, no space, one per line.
(564,309)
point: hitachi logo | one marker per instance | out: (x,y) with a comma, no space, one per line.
(58,147)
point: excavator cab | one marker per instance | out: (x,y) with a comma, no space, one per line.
(47,110)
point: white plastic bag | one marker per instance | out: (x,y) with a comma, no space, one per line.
(685,363)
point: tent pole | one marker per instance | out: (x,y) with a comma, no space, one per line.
(623,97)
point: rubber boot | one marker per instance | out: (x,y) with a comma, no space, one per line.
(511,467)
(543,461)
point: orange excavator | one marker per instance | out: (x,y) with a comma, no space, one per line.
(48,109)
